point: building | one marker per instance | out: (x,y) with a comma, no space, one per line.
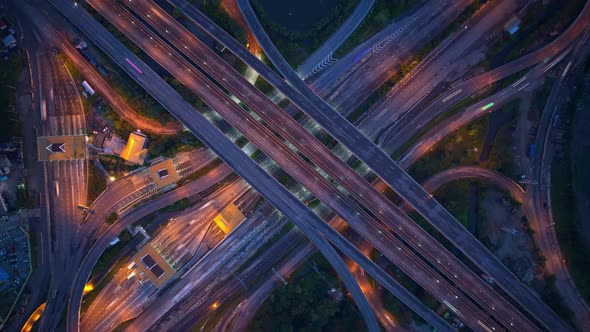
(153,265)
(512,25)
(9,41)
(164,173)
(228,219)
(134,152)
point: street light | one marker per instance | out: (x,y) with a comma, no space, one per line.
(111,178)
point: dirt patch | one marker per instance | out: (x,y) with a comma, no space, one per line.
(506,234)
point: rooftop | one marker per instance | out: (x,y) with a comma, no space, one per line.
(153,265)
(229,218)
(134,152)
(164,173)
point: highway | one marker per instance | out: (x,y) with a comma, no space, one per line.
(65,180)
(181,112)
(215,269)
(292,244)
(349,81)
(455,55)
(405,128)
(490,104)
(231,118)
(114,305)
(314,149)
(407,188)
(474,173)
(364,201)
(96,80)
(538,197)
(308,181)
(321,57)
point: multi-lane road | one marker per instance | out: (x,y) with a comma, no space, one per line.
(321,157)
(224,149)
(323,56)
(275,148)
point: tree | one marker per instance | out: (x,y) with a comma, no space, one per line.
(111,218)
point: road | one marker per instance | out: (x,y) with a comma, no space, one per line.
(65,180)
(54,36)
(323,55)
(476,173)
(349,81)
(218,100)
(490,104)
(299,251)
(407,126)
(392,174)
(458,53)
(114,305)
(318,153)
(539,196)
(223,147)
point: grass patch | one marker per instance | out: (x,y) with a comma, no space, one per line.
(111,218)
(263,85)
(9,72)
(460,148)
(381,15)
(563,203)
(214,10)
(96,183)
(296,46)
(305,304)
(539,26)
(551,297)
(407,66)
(104,262)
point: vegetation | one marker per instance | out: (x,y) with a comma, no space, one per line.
(382,14)
(9,72)
(127,88)
(213,9)
(158,145)
(115,165)
(307,303)
(295,46)
(552,298)
(543,22)
(460,148)
(376,96)
(568,177)
(96,182)
(180,205)
(263,85)
(106,261)
(407,66)
(111,218)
